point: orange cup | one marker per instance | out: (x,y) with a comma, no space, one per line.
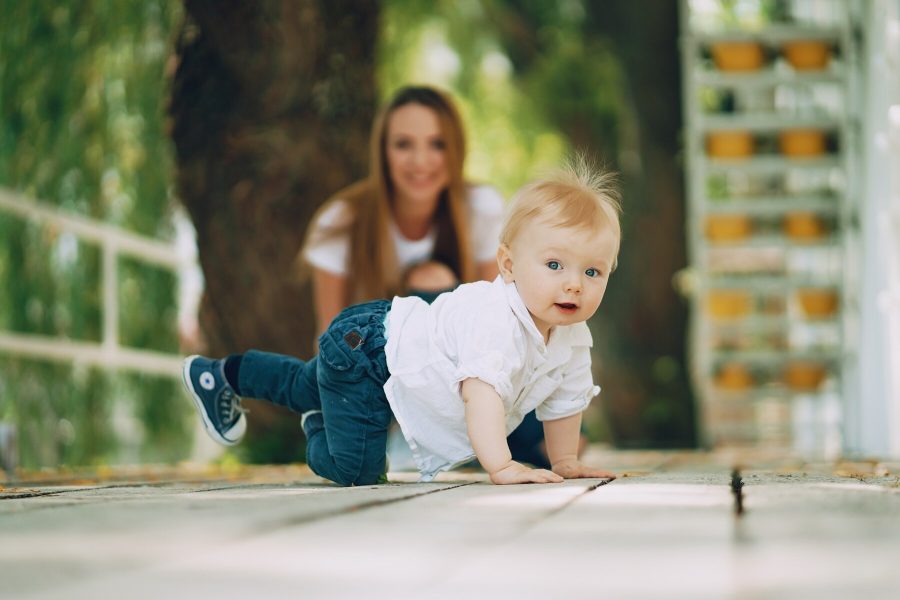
(737,56)
(728,304)
(802,143)
(727,228)
(807,55)
(818,303)
(734,376)
(804,376)
(729,144)
(803,226)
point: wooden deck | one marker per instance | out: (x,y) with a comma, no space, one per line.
(668,528)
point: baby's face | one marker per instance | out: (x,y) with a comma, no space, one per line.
(560,272)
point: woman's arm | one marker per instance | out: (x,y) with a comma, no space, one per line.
(329,297)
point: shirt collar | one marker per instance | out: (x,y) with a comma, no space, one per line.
(520,310)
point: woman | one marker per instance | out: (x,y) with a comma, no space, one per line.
(414,220)
(414,226)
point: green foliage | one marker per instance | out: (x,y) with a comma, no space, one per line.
(162,417)
(148,314)
(63,414)
(81,127)
(455,46)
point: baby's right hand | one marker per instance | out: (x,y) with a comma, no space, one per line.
(515,472)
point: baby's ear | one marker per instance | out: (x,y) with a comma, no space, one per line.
(505,263)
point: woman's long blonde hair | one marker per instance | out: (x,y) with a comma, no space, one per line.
(372,268)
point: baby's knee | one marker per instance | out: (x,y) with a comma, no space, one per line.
(348,477)
(430,276)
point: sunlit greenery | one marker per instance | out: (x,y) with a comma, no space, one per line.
(81,127)
(453,46)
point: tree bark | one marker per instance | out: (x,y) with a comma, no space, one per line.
(271,104)
(640,328)
(651,365)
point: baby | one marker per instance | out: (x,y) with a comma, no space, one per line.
(460,374)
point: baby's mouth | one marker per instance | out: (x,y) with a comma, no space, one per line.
(567,306)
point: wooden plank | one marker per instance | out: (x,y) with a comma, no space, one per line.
(809,535)
(656,535)
(676,535)
(94,534)
(263,542)
(666,530)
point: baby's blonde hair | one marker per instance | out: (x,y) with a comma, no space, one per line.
(578,195)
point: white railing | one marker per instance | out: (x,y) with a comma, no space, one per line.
(113,242)
(892,222)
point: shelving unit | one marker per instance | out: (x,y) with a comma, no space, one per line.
(771,169)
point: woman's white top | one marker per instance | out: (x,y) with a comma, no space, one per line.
(330,253)
(480,330)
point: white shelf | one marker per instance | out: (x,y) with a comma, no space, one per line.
(767,122)
(788,283)
(763,165)
(768,77)
(768,391)
(780,242)
(772,357)
(763,206)
(770,35)
(767,322)
(769,266)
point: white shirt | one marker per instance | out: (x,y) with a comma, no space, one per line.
(480,330)
(485,219)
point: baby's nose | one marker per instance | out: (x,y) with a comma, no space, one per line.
(573,284)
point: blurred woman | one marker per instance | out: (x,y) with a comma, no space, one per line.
(414,222)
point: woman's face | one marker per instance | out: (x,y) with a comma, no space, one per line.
(416,154)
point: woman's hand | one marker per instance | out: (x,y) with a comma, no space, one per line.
(515,472)
(574,469)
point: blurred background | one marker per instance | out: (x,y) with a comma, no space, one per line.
(159,162)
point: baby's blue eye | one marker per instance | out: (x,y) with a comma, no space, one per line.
(592,272)
(554,265)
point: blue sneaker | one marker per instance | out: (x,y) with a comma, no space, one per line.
(219,406)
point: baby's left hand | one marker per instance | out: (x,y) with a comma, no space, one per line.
(574,469)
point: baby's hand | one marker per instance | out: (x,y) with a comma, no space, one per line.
(574,469)
(515,472)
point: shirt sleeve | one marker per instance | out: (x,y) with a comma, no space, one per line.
(486,205)
(575,391)
(326,249)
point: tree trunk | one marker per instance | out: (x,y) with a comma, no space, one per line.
(650,367)
(271,105)
(640,329)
